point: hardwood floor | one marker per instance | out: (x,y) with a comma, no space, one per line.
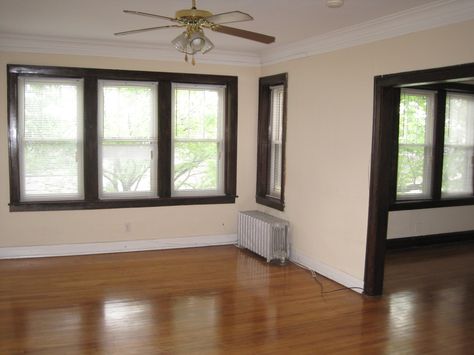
(222,300)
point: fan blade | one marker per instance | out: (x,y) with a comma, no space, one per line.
(228,17)
(149,15)
(145,30)
(254,36)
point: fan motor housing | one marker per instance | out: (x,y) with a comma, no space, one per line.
(192,13)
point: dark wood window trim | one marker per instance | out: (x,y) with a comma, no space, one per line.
(383,147)
(91,194)
(263,152)
(440,90)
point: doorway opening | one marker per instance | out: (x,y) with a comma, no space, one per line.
(383,179)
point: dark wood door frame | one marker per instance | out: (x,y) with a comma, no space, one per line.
(386,102)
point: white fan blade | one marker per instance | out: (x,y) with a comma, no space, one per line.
(145,30)
(229,17)
(149,15)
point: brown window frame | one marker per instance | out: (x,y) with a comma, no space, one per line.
(91,194)
(264,146)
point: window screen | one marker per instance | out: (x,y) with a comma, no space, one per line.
(415,144)
(50,139)
(197,139)
(127,139)
(276,135)
(458,145)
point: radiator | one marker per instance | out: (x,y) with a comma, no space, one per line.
(263,234)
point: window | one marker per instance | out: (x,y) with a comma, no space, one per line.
(197,139)
(435,144)
(50,138)
(271,141)
(95,138)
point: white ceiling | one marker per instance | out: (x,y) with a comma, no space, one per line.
(288,21)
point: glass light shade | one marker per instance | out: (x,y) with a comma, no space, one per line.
(181,43)
(196,41)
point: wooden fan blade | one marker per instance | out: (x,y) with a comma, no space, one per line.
(124,33)
(254,36)
(149,15)
(228,17)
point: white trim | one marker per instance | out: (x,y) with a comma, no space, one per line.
(420,18)
(327,271)
(424,17)
(11,42)
(116,247)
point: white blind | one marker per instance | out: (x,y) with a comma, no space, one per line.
(458,145)
(197,139)
(51,143)
(276,140)
(415,144)
(127,139)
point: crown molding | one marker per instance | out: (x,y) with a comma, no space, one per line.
(425,17)
(60,45)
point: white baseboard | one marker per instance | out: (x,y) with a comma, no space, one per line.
(115,247)
(327,271)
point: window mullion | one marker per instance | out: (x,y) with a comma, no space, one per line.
(438,144)
(164,139)
(91,180)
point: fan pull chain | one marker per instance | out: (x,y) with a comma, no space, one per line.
(186,57)
(193,61)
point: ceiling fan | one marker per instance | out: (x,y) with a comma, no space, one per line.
(194,21)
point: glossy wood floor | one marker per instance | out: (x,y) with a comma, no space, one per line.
(222,300)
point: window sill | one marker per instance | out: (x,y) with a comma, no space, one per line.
(123,203)
(423,204)
(270,202)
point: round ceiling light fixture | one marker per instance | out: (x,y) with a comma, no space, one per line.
(334,3)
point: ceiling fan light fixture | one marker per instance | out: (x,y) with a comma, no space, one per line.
(194,21)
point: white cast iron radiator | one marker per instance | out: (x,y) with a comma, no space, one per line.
(263,234)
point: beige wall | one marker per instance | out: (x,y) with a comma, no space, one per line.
(430,221)
(44,228)
(330,110)
(328,153)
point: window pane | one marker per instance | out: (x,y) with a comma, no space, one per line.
(50,169)
(276,132)
(128,145)
(458,145)
(415,144)
(50,112)
(275,171)
(127,167)
(411,169)
(195,166)
(196,113)
(197,139)
(129,110)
